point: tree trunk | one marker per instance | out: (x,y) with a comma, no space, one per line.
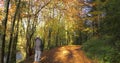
(49,38)
(27,38)
(12,33)
(57,37)
(4,22)
(13,60)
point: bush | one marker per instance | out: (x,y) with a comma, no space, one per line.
(99,48)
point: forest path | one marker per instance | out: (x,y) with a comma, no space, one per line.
(64,54)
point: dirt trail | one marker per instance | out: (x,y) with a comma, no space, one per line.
(65,54)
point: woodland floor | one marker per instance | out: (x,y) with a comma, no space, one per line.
(65,54)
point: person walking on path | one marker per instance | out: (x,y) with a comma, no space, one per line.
(38,49)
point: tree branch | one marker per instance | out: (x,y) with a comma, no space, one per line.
(42,8)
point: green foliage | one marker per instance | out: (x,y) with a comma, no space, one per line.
(110,26)
(99,48)
(59,24)
(103,49)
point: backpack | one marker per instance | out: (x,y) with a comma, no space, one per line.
(42,46)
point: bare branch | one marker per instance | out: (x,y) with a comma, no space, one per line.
(42,8)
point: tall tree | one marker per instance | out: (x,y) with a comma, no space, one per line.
(4,22)
(12,32)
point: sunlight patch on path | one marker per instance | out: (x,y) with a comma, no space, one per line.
(64,54)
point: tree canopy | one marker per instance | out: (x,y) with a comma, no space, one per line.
(93,24)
